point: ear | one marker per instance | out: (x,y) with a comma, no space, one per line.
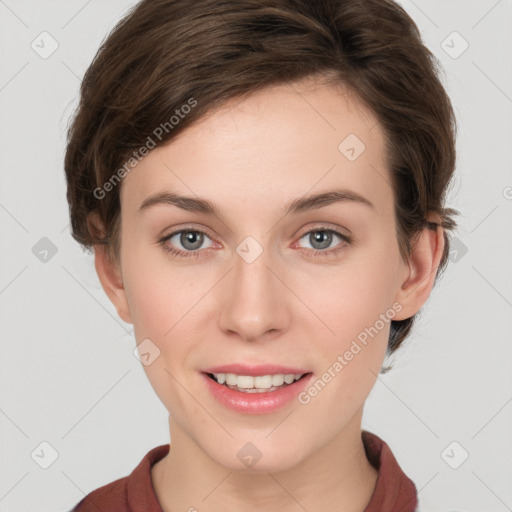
(110,276)
(111,279)
(420,271)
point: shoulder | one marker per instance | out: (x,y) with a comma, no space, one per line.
(112,496)
(127,493)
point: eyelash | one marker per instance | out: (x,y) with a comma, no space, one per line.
(313,252)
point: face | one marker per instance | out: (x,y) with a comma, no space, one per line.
(260,283)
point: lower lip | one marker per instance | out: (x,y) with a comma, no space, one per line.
(255,403)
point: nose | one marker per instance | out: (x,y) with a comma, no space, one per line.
(254,299)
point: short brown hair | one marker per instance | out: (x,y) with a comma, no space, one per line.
(162,53)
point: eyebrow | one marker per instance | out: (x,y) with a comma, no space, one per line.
(299,205)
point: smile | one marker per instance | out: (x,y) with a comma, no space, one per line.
(255,394)
(256,384)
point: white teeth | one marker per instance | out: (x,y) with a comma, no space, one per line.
(289,378)
(259,382)
(231,379)
(277,380)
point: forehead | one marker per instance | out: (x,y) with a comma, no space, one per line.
(275,145)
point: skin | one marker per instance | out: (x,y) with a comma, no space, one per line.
(250,158)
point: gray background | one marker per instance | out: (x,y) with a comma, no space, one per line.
(69,377)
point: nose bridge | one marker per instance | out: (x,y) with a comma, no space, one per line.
(254,299)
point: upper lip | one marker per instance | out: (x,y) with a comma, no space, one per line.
(255,370)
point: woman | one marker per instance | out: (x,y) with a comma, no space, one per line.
(263,186)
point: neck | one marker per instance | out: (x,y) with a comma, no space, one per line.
(336,477)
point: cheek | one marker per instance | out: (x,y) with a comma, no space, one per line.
(354,303)
(159,293)
(357,310)
(349,300)
(163,304)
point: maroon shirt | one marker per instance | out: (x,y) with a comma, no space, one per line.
(394,491)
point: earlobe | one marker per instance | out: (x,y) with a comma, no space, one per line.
(426,254)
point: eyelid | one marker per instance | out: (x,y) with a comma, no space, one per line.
(186,227)
(327,226)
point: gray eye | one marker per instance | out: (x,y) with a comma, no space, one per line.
(189,240)
(320,238)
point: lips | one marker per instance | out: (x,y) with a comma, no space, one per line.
(249,402)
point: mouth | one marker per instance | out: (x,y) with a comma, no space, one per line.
(258,383)
(257,389)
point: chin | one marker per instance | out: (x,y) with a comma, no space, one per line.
(245,456)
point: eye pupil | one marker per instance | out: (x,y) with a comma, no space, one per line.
(323,237)
(193,237)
